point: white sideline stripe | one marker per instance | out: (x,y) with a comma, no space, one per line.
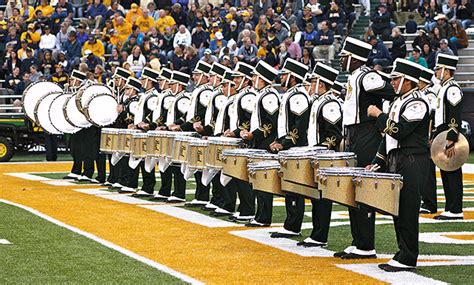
(58,183)
(401,278)
(108,244)
(27,176)
(445,263)
(441,238)
(96,192)
(126,199)
(191,216)
(37,162)
(4,241)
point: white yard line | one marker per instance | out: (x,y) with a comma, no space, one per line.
(27,176)
(108,244)
(4,242)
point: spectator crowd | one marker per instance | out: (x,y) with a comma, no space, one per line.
(46,40)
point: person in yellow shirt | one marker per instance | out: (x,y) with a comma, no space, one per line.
(94,45)
(134,13)
(123,28)
(214,29)
(31,36)
(145,22)
(27,11)
(44,7)
(165,21)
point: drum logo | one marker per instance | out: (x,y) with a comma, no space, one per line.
(143,146)
(127,142)
(199,156)
(219,154)
(182,151)
(108,141)
(157,144)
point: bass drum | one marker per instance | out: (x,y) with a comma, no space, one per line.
(34,92)
(43,113)
(73,115)
(101,109)
(87,92)
(57,115)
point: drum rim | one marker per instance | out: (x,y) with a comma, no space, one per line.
(26,91)
(76,128)
(85,110)
(49,114)
(82,90)
(67,116)
(371,174)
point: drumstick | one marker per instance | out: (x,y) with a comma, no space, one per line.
(374,168)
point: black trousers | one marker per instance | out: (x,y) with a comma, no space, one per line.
(453,190)
(229,195)
(217,191)
(179,182)
(149,179)
(89,150)
(413,168)
(264,210)
(124,170)
(51,146)
(202,191)
(113,171)
(246,197)
(100,158)
(294,205)
(364,141)
(321,218)
(166,182)
(75,146)
(428,191)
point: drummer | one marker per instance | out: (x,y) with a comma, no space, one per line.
(157,121)
(405,151)
(365,87)
(199,101)
(293,121)
(243,106)
(206,128)
(120,79)
(448,117)
(263,131)
(429,203)
(325,129)
(177,110)
(148,79)
(75,81)
(125,120)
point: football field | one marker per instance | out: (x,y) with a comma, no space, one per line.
(57,231)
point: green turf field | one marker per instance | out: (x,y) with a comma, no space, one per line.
(42,252)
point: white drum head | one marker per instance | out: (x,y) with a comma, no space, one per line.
(74,116)
(57,115)
(101,110)
(42,113)
(34,92)
(92,90)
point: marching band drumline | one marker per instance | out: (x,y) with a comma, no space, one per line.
(236,135)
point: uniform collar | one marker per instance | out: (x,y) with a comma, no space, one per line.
(447,81)
(409,93)
(358,69)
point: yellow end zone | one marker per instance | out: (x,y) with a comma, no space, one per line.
(211,255)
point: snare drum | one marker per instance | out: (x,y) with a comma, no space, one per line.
(335,159)
(216,146)
(125,140)
(296,165)
(196,154)
(234,162)
(380,191)
(337,184)
(139,146)
(180,148)
(264,176)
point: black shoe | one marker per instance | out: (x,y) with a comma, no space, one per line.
(282,235)
(159,199)
(173,202)
(339,254)
(256,225)
(358,256)
(220,214)
(390,268)
(232,218)
(425,211)
(310,244)
(207,209)
(189,205)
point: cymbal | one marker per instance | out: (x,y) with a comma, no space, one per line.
(439,157)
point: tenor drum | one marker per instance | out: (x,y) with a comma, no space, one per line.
(115,140)
(257,157)
(34,92)
(264,176)
(338,184)
(296,165)
(57,117)
(380,191)
(335,159)
(125,140)
(101,109)
(73,115)
(43,113)
(86,93)
(303,190)
(216,147)
(106,140)
(171,145)
(234,162)
(196,154)
(181,147)
(139,147)
(154,143)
